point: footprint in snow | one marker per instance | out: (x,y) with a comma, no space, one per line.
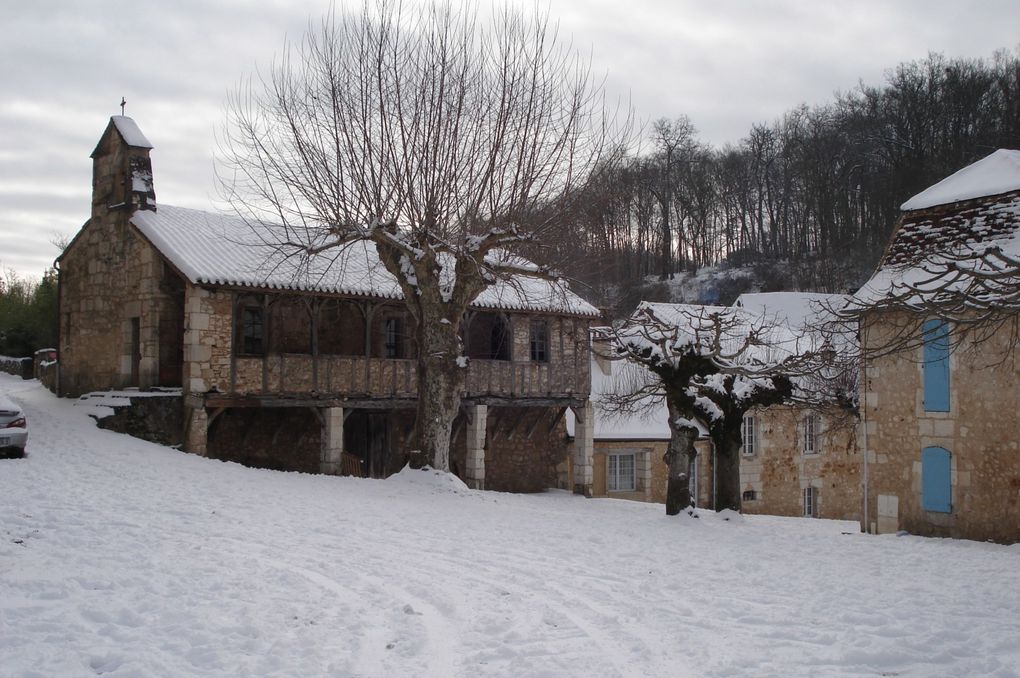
(410,610)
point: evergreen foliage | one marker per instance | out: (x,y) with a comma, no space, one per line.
(28,314)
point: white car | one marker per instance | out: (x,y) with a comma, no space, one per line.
(13,429)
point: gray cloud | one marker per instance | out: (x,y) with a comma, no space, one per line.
(726,64)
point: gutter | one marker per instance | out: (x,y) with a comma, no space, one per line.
(866,525)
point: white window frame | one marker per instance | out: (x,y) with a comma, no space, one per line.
(750,422)
(809,441)
(809,501)
(613,475)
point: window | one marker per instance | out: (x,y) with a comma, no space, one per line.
(539,341)
(810,502)
(621,473)
(749,436)
(499,340)
(252,330)
(749,495)
(936,480)
(936,366)
(811,434)
(394,337)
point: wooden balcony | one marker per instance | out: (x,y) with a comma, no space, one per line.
(362,378)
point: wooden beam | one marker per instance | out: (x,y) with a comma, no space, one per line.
(212,417)
(556,421)
(318,415)
(515,422)
(538,420)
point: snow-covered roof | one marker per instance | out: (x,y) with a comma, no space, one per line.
(130,132)
(650,424)
(937,246)
(795,310)
(994,174)
(645,423)
(218,249)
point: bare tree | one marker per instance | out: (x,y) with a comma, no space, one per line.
(711,365)
(444,139)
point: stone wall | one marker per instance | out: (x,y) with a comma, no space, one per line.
(979,431)
(156,418)
(523,448)
(113,287)
(283,439)
(780,469)
(46,367)
(19,367)
(208,339)
(652,474)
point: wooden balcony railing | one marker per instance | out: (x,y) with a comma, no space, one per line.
(356,376)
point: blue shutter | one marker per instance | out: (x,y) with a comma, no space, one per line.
(936,480)
(936,366)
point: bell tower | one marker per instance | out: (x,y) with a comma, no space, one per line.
(122,170)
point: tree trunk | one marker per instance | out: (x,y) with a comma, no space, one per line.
(727,470)
(678,458)
(440,382)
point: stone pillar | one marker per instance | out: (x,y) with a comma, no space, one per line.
(584,447)
(331,461)
(474,468)
(196,437)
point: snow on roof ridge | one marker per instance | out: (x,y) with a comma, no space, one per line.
(130,131)
(994,174)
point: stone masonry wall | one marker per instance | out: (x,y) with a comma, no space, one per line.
(208,339)
(979,431)
(780,470)
(515,461)
(109,275)
(652,475)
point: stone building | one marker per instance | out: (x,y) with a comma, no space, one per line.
(629,447)
(305,367)
(797,460)
(939,410)
(801,460)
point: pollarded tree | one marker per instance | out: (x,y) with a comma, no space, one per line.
(446,140)
(711,365)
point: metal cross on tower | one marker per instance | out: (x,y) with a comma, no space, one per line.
(123,102)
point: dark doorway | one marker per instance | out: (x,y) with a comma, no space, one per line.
(369,436)
(171,341)
(136,351)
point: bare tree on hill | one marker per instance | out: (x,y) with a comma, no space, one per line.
(444,139)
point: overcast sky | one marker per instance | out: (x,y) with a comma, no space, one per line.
(65,65)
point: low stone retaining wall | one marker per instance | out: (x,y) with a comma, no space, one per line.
(156,416)
(19,367)
(45,367)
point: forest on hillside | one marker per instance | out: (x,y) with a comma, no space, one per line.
(807,201)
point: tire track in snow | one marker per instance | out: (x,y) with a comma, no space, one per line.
(438,652)
(613,647)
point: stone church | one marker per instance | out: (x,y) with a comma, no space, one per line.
(306,368)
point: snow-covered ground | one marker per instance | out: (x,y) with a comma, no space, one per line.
(123,558)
